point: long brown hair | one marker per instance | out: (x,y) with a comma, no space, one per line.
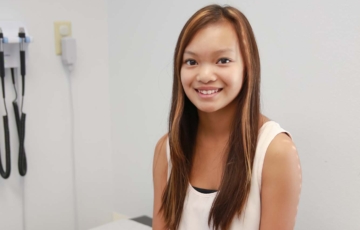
(183,123)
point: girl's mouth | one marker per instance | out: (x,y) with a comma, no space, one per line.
(208,93)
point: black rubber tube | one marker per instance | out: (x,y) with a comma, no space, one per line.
(17,116)
(20,125)
(6,173)
(22,156)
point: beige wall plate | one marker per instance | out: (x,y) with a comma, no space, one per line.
(62,29)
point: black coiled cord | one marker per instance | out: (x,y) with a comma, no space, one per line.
(20,124)
(5,173)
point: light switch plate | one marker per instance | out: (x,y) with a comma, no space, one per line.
(58,36)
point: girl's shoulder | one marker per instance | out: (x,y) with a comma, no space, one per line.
(159,179)
(281,181)
(160,159)
(160,162)
(281,151)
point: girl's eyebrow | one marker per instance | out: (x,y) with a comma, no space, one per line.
(215,52)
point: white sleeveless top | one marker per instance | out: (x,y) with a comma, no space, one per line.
(197,205)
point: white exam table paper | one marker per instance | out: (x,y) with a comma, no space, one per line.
(123,224)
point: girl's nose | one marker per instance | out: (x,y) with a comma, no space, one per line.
(205,74)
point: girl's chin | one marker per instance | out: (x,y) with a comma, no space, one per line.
(203,109)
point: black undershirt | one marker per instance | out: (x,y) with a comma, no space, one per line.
(202,190)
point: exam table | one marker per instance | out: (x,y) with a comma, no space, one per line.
(138,223)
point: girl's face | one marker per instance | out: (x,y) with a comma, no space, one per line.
(212,69)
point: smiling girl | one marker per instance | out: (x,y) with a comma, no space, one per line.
(222,164)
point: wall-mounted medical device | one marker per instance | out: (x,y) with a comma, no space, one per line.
(14,40)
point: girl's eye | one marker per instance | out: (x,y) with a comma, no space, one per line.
(190,62)
(223,60)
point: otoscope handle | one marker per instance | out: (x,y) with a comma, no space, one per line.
(2,64)
(22,63)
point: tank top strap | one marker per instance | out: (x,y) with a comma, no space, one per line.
(168,158)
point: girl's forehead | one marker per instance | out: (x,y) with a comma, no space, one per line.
(214,37)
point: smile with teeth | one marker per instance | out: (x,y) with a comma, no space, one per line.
(207,92)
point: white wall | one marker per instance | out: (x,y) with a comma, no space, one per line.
(48,186)
(310,53)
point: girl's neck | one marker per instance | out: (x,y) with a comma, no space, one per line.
(216,126)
